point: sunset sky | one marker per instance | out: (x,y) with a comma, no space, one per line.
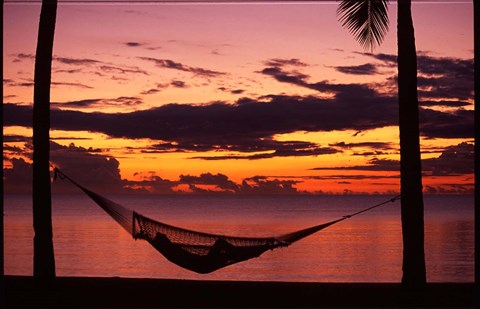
(240,98)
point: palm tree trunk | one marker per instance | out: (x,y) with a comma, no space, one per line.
(414,273)
(43,260)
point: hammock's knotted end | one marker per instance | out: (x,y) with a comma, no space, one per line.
(57,174)
(396,198)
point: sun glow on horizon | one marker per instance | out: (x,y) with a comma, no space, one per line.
(206,98)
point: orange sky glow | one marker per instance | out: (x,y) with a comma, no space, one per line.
(239,98)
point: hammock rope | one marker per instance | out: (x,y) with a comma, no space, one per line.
(198,251)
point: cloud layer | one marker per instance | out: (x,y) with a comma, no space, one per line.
(453,161)
(104,175)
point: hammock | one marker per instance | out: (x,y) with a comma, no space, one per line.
(196,251)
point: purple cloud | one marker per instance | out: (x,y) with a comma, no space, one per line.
(170,64)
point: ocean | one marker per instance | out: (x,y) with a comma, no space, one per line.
(364,248)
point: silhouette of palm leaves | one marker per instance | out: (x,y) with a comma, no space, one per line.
(367,20)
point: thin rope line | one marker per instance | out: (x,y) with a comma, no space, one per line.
(61,175)
(396,198)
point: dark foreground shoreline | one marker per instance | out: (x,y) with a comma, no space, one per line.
(88,292)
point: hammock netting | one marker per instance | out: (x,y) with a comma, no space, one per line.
(197,251)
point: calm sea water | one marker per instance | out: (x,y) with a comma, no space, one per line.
(365,248)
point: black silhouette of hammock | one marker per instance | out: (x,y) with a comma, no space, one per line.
(196,251)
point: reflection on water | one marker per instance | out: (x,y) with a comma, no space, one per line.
(366,248)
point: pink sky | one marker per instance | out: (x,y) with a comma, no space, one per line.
(122,59)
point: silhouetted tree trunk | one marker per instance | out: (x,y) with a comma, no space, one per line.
(43,260)
(414,273)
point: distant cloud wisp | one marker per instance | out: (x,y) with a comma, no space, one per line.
(170,64)
(363,69)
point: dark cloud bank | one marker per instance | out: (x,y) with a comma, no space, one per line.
(245,126)
(248,125)
(438,77)
(103,174)
(453,161)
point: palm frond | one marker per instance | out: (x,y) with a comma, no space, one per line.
(367,20)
